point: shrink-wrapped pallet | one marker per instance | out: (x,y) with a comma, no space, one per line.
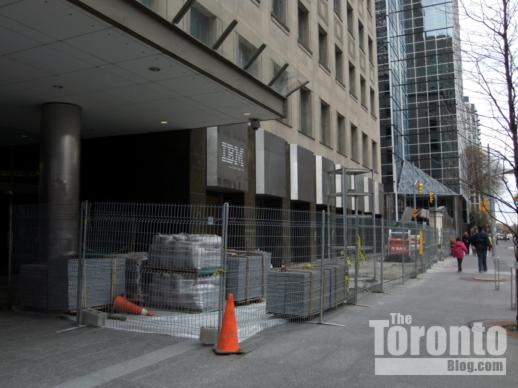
(185,252)
(183,291)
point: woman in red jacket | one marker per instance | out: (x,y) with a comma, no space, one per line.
(459,250)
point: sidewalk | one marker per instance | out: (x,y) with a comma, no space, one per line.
(293,355)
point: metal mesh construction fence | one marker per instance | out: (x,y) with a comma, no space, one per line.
(179,262)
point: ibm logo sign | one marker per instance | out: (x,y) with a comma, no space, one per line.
(233,155)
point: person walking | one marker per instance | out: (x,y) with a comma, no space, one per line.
(482,244)
(459,250)
(466,239)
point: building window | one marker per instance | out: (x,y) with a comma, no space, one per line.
(365,151)
(350,19)
(281,83)
(303,17)
(352,80)
(369,7)
(340,134)
(279,10)
(324,124)
(305,112)
(245,52)
(202,25)
(355,147)
(373,102)
(361,36)
(339,65)
(363,92)
(322,47)
(370,50)
(338,8)
(375,156)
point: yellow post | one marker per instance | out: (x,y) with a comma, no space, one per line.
(421,243)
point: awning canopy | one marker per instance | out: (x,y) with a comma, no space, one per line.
(410,174)
(130,71)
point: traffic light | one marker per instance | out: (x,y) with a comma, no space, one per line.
(431,197)
(515,198)
(484,205)
(419,187)
(414,213)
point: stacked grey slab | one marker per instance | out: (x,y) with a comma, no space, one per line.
(246,274)
(296,292)
(183,291)
(104,279)
(185,252)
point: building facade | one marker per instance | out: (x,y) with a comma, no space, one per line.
(472,123)
(320,54)
(421,121)
(198,102)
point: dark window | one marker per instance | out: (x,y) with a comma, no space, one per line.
(322,47)
(202,25)
(305,112)
(339,65)
(303,19)
(350,19)
(324,124)
(279,10)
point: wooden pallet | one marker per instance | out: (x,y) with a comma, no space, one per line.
(247,302)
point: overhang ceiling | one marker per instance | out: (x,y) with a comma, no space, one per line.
(55,51)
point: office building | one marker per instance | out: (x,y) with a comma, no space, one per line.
(201,102)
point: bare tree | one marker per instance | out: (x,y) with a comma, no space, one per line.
(493,52)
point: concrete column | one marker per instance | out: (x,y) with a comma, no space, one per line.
(59,196)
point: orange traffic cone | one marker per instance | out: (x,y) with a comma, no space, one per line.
(228,342)
(122,305)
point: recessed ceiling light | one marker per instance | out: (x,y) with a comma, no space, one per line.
(154,69)
(57,86)
(246,114)
(163,122)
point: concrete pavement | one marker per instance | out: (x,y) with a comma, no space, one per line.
(292,355)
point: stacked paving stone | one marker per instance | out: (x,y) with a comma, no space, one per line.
(104,278)
(296,292)
(246,275)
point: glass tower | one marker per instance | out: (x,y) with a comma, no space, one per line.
(393,93)
(436,130)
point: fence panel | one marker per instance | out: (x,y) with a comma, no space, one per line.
(178,262)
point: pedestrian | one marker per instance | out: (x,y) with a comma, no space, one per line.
(466,238)
(459,249)
(481,243)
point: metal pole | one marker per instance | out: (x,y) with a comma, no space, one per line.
(224,242)
(322,255)
(491,207)
(10,244)
(81,261)
(382,253)
(511,281)
(403,261)
(374,260)
(357,254)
